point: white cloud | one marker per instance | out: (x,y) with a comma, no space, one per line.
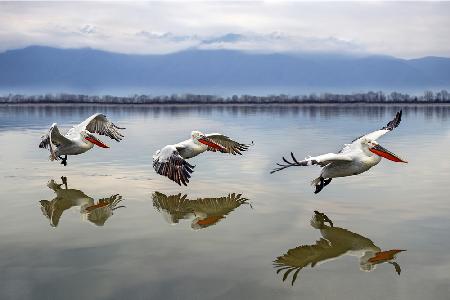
(88,29)
(279,42)
(399,29)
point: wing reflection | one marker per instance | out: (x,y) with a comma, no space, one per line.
(96,213)
(204,211)
(335,242)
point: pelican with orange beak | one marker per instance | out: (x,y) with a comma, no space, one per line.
(80,138)
(355,158)
(171,162)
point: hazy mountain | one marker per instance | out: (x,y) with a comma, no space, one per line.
(41,67)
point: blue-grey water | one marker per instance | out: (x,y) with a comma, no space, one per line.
(118,230)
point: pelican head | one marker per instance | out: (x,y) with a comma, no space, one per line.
(89,138)
(196,135)
(364,264)
(200,138)
(376,148)
(375,256)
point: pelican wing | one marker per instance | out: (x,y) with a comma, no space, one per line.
(168,162)
(222,143)
(218,206)
(177,206)
(53,138)
(391,125)
(99,124)
(214,209)
(100,212)
(298,258)
(321,160)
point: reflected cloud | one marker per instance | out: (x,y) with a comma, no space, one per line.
(335,242)
(204,211)
(96,213)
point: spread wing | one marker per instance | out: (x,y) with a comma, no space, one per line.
(222,143)
(53,138)
(321,160)
(391,125)
(298,258)
(220,205)
(177,206)
(99,124)
(100,212)
(213,210)
(168,162)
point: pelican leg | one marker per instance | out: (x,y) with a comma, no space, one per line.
(64,181)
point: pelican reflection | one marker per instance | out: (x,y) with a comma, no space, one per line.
(335,242)
(96,213)
(204,211)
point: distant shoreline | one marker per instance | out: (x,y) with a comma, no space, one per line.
(362,98)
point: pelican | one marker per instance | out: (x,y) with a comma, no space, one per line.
(171,162)
(355,158)
(335,242)
(204,211)
(96,213)
(80,138)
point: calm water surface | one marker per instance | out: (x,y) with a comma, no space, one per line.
(107,227)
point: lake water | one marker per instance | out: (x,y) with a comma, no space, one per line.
(227,233)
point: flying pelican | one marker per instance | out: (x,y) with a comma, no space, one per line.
(79,138)
(204,211)
(171,162)
(355,158)
(335,242)
(66,198)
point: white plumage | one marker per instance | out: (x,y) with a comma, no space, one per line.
(79,138)
(171,162)
(355,158)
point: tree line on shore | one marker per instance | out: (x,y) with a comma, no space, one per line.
(428,96)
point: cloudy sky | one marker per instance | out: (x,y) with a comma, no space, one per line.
(401,29)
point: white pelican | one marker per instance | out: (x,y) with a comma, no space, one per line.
(355,158)
(170,160)
(205,212)
(66,198)
(335,242)
(79,138)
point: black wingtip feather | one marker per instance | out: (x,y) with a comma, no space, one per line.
(394,122)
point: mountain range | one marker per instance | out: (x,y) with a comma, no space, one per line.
(90,69)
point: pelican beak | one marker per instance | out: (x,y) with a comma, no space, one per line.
(96,141)
(209,143)
(384,256)
(383,152)
(206,222)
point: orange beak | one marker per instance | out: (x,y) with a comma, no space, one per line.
(209,221)
(383,152)
(97,142)
(206,142)
(383,256)
(98,205)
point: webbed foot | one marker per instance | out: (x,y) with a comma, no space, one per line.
(322,183)
(327,182)
(319,186)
